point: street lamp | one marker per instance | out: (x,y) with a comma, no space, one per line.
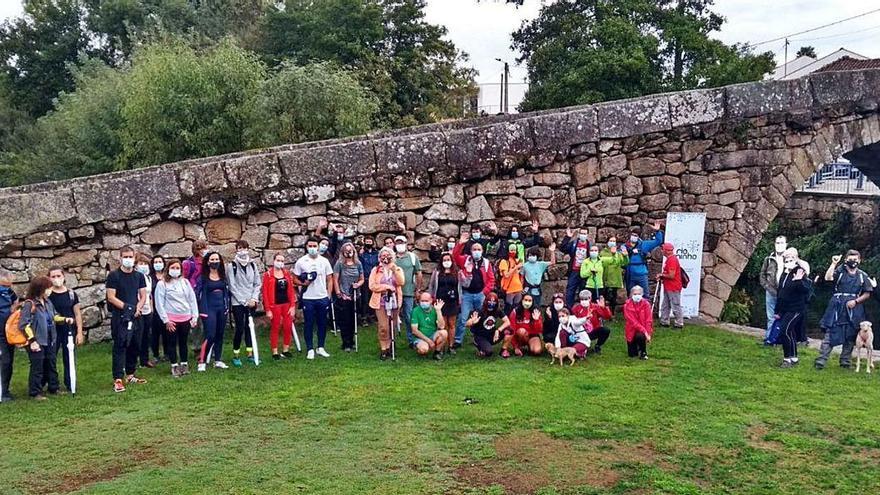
(505,86)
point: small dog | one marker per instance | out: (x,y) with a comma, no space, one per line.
(865,340)
(561,354)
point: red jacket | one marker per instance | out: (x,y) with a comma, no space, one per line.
(269,288)
(595,312)
(637,319)
(532,326)
(465,260)
(671,276)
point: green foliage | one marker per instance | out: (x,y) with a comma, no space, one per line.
(738,308)
(180,103)
(806,51)
(310,103)
(583,51)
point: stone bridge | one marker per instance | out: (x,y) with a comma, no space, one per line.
(737,153)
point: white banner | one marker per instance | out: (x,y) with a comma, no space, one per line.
(685,232)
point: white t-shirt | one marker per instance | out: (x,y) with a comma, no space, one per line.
(321,266)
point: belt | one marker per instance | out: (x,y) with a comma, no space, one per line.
(844,294)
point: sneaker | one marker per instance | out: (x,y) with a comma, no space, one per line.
(276,357)
(135,379)
(150,364)
(678,327)
(786,364)
(311,354)
(175,371)
(505,353)
(321,352)
(236,362)
(644,356)
(348,349)
(819,366)
(118,386)
(39,397)
(7,398)
(597,350)
(221,365)
(251,360)
(845,366)
(384,355)
(184,369)
(518,352)
(287,354)
(438,356)
(201,368)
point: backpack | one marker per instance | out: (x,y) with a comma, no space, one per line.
(685,279)
(14,335)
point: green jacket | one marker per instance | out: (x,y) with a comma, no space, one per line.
(614,265)
(587,268)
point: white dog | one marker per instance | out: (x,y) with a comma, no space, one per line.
(865,340)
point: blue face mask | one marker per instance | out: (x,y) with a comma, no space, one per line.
(612,244)
(322,248)
(514,235)
(313,251)
(425,305)
(450,245)
(532,259)
(477,255)
(476,236)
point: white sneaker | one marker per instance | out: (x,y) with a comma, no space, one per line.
(322,352)
(201,367)
(311,354)
(221,365)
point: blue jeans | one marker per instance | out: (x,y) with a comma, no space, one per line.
(770,302)
(469,303)
(406,308)
(215,325)
(641,280)
(315,314)
(575,283)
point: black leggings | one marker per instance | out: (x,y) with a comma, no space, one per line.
(242,328)
(610,294)
(483,345)
(599,336)
(158,332)
(638,346)
(789,330)
(178,342)
(345,321)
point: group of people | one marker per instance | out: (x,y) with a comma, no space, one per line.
(154,301)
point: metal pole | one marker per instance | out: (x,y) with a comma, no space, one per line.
(501,101)
(506,87)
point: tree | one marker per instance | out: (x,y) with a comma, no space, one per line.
(310,103)
(806,51)
(585,51)
(37,50)
(180,103)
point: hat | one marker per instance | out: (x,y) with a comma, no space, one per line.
(400,238)
(585,294)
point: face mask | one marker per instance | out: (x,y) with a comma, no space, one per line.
(511,253)
(340,236)
(491,306)
(563,320)
(203,253)
(47,293)
(612,244)
(594,254)
(243,257)
(57,282)
(633,239)
(852,263)
(789,265)
(533,259)
(143,269)
(447,264)
(158,266)
(385,261)
(174,272)
(514,235)
(637,298)
(368,247)
(780,247)
(527,304)
(477,255)
(558,306)
(582,237)
(322,248)
(215,265)
(128,262)
(400,248)
(425,305)
(476,236)
(450,246)
(278,264)
(585,302)
(313,251)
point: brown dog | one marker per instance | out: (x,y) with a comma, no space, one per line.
(865,340)
(560,354)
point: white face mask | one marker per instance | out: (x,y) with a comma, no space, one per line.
(585,302)
(563,320)
(400,248)
(582,237)
(533,259)
(789,265)
(243,256)
(143,269)
(633,239)
(447,264)
(158,266)
(637,298)
(558,306)
(450,246)
(174,272)
(278,264)
(128,262)
(57,282)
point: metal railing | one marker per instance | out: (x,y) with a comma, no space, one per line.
(840,178)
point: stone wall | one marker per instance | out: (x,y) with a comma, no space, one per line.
(810,213)
(737,153)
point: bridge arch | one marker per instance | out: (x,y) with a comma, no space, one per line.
(737,153)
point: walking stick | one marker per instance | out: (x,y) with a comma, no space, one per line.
(654,301)
(391,332)
(71,359)
(333,315)
(253,337)
(354,308)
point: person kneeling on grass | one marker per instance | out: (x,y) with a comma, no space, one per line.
(429,326)
(573,332)
(596,314)
(638,323)
(483,324)
(525,330)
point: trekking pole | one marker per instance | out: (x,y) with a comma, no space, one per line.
(391,332)
(253,337)
(654,301)
(295,336)
(354,306)
(71,358)
(333,315)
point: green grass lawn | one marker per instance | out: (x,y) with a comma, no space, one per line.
(709,413)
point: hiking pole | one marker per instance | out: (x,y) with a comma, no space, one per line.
(654,301)
(253,337)
(295,335)
(333,315)
(71,359)
(354,308)
(391,332)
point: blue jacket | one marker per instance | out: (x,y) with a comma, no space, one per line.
(202,297)
(369,260)
(639,252)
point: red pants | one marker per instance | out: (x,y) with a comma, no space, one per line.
(280,319)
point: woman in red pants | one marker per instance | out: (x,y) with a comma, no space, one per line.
(525,329)
(279,299)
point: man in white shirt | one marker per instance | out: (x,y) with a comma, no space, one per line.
(315,274)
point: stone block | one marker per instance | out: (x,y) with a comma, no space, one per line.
(605,206)
(385,222)
(262,217)
(223,230)
(612,165)
(634,117)
(552,179)
(279,241)
(45,239)
(213,208)
(253,172)
(30,212)
(643,167)
(714,211)
(410,154)
(319,193)
(179,250)
(130,194)
(654,202)
(478,209)
(764,97)
(693,149)
(86,232)
(139,223)
(187,212)
(163,233)
(696,107)
(282,196)
(496,187)
(352,161)
(586,172)
(256,237)
(454,195)
(538,192)
(513,206)
(204,178)
(559,131)
(301,212)
(443,211)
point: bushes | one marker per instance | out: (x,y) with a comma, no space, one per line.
(738,308)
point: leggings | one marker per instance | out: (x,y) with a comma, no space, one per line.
(242,328)
(483,345)
(610,294)
(214,323)
(178,342)
(638,346)
(345,320)
(281,321)
(158,332)
(146,339)
(384,327)
(789,327)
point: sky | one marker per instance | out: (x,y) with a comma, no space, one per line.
(482,30)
